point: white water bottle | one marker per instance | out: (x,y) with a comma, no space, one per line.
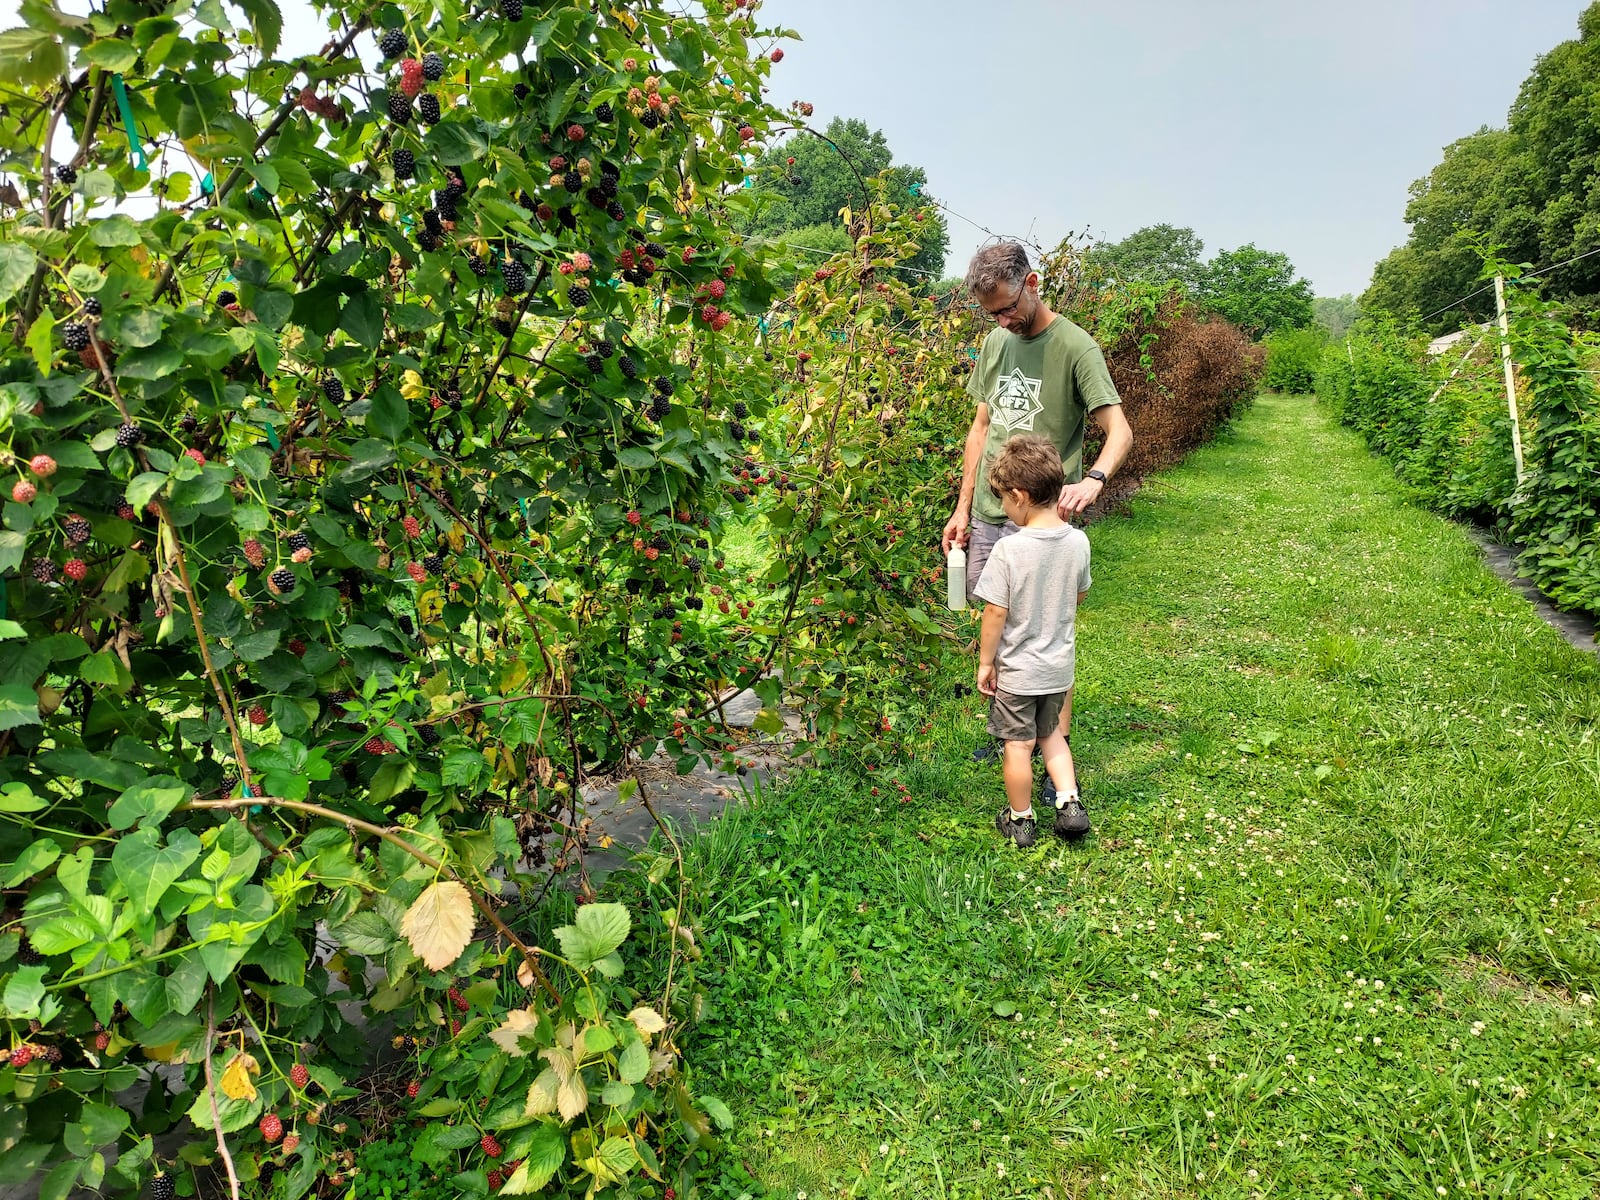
(956,578)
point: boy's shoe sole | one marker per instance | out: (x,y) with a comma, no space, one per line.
(1024,832)
(1072,820)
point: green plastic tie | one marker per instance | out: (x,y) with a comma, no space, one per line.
(272,437)
(135,150)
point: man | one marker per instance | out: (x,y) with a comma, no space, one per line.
(1037,373)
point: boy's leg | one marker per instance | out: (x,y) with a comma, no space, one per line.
(1047,787)
(1014,720)
(1018,774)
(1071,819)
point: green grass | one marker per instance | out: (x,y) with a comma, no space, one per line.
(1336,933)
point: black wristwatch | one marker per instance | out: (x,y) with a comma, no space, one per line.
(1100,475)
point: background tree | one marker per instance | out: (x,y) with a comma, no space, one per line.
(807,193)
(1256,290)
(1335,314)
(1528,189)
(1155,254)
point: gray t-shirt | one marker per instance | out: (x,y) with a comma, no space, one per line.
(1036,575)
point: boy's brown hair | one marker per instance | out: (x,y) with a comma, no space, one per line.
(1029,463)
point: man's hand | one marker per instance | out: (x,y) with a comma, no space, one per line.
(956,530)
(1076,497)
(988,678)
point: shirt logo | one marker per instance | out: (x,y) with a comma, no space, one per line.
(1015,400)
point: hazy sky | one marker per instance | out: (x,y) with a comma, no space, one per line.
(1291,124)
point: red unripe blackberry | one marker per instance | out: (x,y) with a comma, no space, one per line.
(162,1187)
(282,579)
(102,1041)
(746,133)
(258,715)
(496,1179)
(254,554)
(412,526)
(428,108)
(413,1088)
(399,108)
(126,512)
(299,1075)
(455,1027)
(417,571)
(297,647)
(634,516)
(22,1056)
(271,1127)
(491,1147)
(777,55)
(432,66)
(23,492)
(75,335)
(376,745)
(392,43)
(75,569)
(291,1144)
(195,455)
(42,465)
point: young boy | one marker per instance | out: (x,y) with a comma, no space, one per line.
(1032,586)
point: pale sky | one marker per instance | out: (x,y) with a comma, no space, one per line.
(1291,124)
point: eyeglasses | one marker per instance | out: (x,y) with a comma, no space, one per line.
(1009,310)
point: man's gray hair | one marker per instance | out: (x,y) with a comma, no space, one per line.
(1005,263)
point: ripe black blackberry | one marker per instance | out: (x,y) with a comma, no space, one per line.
(283,579)
(44,570)
(695,603)
(392,43)
(603,113)
(429,735)
(426,242)
(649,118)
(399,108)
(578,295)
(635,276)
(740,409)
(693,562)
(405,164)
(636,236)
(634,586)
(597,197)
(660,542)
(432,66)
(701,544)
(662,384)
(660,407)
(129,435)
(501,325)
(405,625)
(607,188)
(604,348)
(515,275)
(567,218)
(433,564)
(616,212)
(477,266)
(595,363)
(655,249)
(298,542)
(428,107)
(49,1054)
(432,223)
(511,9)
(91,305)
(610,170)
(445,206)
(265,1173)
(187,423)
(628,367)
(736,431)
(225,298)
(572,181)
(77,530)
(162,1187)
(75,335)
(66,174)
(521,92)
(339,696)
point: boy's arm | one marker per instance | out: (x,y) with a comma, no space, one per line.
(1081,595)
(994,620)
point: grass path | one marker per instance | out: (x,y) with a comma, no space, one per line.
(1337,934)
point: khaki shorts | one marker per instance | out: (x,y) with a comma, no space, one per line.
(981,537)
(1024,718)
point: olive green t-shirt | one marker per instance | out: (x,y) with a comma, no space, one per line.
(1047,384)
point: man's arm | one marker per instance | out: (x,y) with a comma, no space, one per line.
(955,529)
(994,620)
(1118,440)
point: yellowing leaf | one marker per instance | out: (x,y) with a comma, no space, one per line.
(573,1097)
(412,387)
(647,1021)
(542,1095)
(508,1037)
(236,1084)
(439,924)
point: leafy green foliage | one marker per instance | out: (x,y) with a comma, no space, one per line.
(1293,358)
(1256,290)
(1156,254)
(1335,314)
